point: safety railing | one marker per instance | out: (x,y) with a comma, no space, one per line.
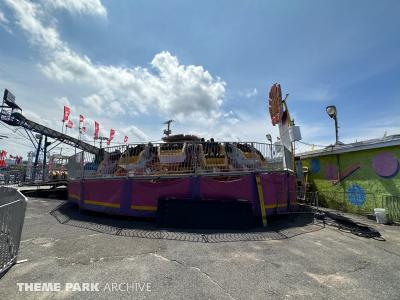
(12,214)
(172,159)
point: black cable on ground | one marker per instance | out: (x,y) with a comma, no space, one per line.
(347,225)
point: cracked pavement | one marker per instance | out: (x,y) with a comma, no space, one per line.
(323,264)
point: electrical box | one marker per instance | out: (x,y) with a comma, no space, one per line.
(294,133)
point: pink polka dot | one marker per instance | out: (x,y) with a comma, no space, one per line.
(385,164)
(331,172)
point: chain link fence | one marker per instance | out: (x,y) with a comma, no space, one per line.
(12,214)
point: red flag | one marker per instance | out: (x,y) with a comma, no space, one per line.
(81,119)
(70,124)
(83,129)
(67,112)
(112,133)
(125,139)
(96,130)
(3,154)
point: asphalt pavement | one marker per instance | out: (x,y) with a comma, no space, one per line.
(303,261)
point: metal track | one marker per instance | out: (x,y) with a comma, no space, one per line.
(18,119)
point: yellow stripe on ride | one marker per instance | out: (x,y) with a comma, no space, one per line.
(91,202)
(276,205)
(261,199)
(144,207)
(73,196)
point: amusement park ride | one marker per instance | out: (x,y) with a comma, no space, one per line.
(146,180)
(143,179)
(40,135)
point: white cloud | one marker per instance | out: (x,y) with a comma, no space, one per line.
(135,134)
(169,89)
(3,18)
(95,103)
(64,101)
(88,7)
(4,22)
(249,93)
(115,108)
(30,17)
(166,89)
(39,119)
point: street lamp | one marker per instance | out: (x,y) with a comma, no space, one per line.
(269,138)
(332,112)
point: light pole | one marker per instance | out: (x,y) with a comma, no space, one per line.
(332,112)
(269,138)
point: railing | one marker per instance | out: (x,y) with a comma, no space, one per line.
(307,198)
(175,159)
(392,205)
(355,202)
(11,177)
(12,214)
(30,175)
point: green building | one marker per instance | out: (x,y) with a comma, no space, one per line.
(357,177)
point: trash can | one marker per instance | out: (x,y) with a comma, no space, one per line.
(380,215)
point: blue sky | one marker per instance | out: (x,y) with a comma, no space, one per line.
(207,64)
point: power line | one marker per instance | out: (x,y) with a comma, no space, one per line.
(14,132)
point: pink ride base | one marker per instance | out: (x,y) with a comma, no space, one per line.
(138,197)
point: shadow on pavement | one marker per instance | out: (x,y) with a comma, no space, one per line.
(279,227)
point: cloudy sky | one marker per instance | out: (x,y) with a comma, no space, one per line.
(130,65)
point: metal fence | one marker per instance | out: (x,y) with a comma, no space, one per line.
(354,202)
(38,175)
(12,214)
(172,159)
(307,198)
(11,176)
(392,206)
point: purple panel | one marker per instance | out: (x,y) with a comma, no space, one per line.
(74,190)
(242,188)
(104,191)
(146,193)
(275,190)
(291,181)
